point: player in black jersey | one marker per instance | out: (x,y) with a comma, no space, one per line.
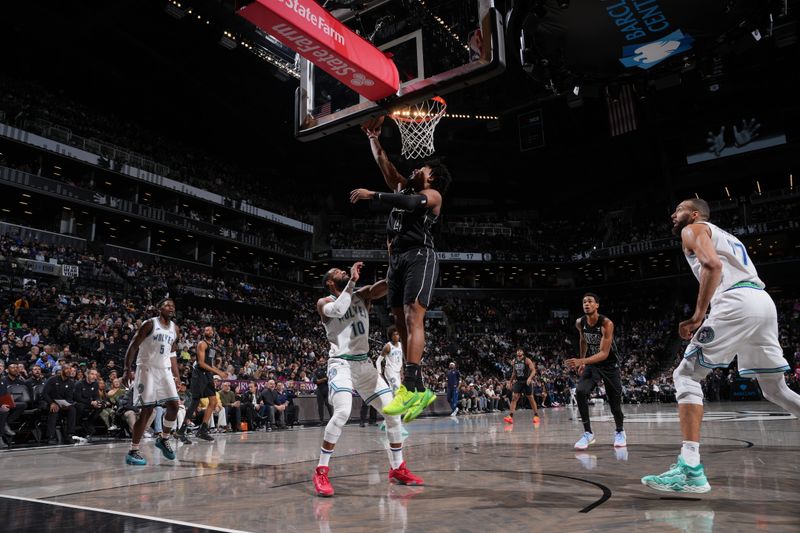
(522,372)
(416,202)
(598,361)
(202,386)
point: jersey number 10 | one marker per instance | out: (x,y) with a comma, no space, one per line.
(358,328)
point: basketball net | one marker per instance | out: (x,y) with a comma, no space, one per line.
(417,124)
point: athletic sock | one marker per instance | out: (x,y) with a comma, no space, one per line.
(134,447)
(167,426)
(395,457)
(412,377)
(324,456)
(690,451)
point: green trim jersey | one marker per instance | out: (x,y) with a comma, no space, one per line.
(156,348)
(349,335)
(394,361)
(737,268)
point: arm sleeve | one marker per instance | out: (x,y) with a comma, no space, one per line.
(409,202)
(338,308)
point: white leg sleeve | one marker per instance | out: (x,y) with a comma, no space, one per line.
(342,403)
(687,381)
(776,391)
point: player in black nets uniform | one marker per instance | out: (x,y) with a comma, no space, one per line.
(202,385)
(416,203)
(598,361)
(522,372)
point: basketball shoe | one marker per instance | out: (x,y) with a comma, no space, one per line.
(322,485)
(679,478)
(135,458)
(403,476)
(404,400)
(165,447)
(585,441)
(426,398)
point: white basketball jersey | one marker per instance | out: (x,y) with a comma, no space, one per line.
(394,361)
(349,335)
(156,347)
(737,268)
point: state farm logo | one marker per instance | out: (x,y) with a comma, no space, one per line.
(359,80)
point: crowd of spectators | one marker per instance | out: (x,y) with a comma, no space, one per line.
(89,332)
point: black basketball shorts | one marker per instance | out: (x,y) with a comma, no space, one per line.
(521,387)
(202,384)
(412,275)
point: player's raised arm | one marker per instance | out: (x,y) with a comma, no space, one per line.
(394,180)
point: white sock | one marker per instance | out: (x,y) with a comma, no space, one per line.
(690,451)
(396,456)
(324,456)
(166,427)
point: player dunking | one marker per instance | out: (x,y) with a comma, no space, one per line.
(743,321)
(522,373)
(156,379)
(599,355)
(345,316)
(203,386)
(416,203)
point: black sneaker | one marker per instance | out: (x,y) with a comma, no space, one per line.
(182,437)
(203,434)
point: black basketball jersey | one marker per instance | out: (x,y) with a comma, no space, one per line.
(520,369)
(410,229)
(592,335)
(211,353)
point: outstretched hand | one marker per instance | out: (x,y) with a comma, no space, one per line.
(360,194)
(355,271)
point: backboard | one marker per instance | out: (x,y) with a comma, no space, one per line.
(438,46)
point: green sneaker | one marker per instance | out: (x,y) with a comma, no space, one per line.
(425,399)
(403,400)
(680,478)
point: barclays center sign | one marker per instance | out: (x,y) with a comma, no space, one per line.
(652,35)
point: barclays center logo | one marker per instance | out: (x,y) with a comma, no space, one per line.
(651,34)
(651,54)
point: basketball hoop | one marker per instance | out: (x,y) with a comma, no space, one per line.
(417,124)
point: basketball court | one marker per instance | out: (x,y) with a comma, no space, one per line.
(480,475)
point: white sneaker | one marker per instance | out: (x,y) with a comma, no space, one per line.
(79,440)
(113,427)
(585,441)
(455,412)
(620,440)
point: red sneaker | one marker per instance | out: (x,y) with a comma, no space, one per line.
(402,476)
(508,420)
(322,486)
(536,420)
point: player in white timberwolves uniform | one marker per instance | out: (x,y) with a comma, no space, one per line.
(345,315)
(743,322)
(392,359)
(154,347)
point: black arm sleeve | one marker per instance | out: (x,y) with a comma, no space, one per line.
(409,202)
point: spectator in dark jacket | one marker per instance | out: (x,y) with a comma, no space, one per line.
(87,402)
(59,394)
